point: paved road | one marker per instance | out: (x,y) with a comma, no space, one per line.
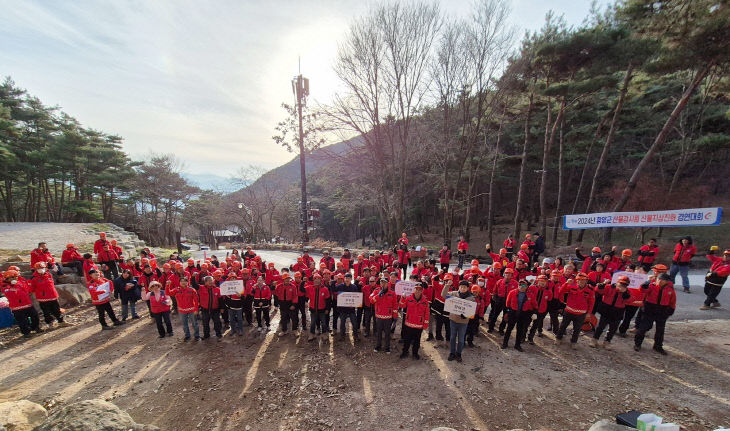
(688,305)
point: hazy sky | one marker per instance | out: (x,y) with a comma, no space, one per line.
(201,79)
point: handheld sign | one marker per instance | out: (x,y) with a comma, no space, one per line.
(531,278)
(457,306)
(405,288)
(105,289)
(232,287)
(349,299)
(636,279)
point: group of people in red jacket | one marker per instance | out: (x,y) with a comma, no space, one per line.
(518,292)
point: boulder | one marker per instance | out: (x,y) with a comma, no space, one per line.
(68,270)
(15,258)
(70,295)
(608,425)
(24,266)
(91,415)
(70,279)
(21,415)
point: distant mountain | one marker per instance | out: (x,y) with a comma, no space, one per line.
(211,182)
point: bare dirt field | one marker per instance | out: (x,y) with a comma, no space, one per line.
(263,382)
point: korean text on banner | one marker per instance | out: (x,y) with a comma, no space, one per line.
(405,287)
(105,289)
(232,287)
(460,306)
(349,299)
(636,279)
(666,218)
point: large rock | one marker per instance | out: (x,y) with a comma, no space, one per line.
(21,415)
(24,266)
(72,278)
(608,425)
(91,415)
(16,258)
(70,295)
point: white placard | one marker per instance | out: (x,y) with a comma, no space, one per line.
(636,278)
(531,278)
(349,299)
(405,287)
(231,287)
(106,289)
(683,217)
(458,306)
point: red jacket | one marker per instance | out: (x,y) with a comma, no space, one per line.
(386,306)
(503,287)
(579,300)
(209,297)
(543,295)
(647,254)
(403,256)
(287,292)
(658,296)
(683,254)
(43,287)
(144,280)
(262,294)
(367,289)
(318,297)
(187,300)
(96,293)
(513,298)
(158,304)
(416,312)
(612,297)
(595,277)
(88,265)
(106,256)
(719,266)
(38,255)
(444,256)
(462,246)
(482,304)
(509,244)
(70,255)
(18,295)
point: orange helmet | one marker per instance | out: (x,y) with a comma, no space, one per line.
(502,251)
(204,265)
(14,268)
(626,252)
(659,268)
(179,265)
(581,276)
(245,271)
(497,265)
(166,266)
(624,280)
(316,275)
(70,245)
(555,272)
(359,256)
(340,275)
(144,261)
(475,262)
(39,265)
(448,277)
(524,247)
(191,261)
(113,242)
(596,249)
(102,234)
(217,273)
(509,271)
(297,274)
(10,273)
(271,264)
(285,276)
(475,288)
(542,277)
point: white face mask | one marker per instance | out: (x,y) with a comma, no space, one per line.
(41,271)
(13,281)
(481,284)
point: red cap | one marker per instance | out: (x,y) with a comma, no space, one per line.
(624,280)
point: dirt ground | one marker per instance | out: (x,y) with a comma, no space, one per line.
(263,382)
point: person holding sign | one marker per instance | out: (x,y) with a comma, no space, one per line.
(234,304)
(659,303)
(288,295)
(416,320)
(579,302)
(346,312)
(519,307)
(457,322)
(386,309)
(160,303)
(716,277)
(611,307)
(100,291)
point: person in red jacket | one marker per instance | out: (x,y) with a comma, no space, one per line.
(614,298)
(108,258)
(42,286)
(41,254)
(403,257)
(403,239)
(445,257)
(416,320)
(101,294)
(588,260)
(188,305)
(365,313)
(555,304)
(88,265)
(683,253)
(579,302)
(18,292)
(499,298)
(100,243)
(261,303)
(386,310)
(288,295)
(520,305)
(160,303)
(71,258)
(319,303)
(461,248)
(482,299)
(509,245)
(660,301)
(647,254)
(209,300)
(543,295)
(716,277)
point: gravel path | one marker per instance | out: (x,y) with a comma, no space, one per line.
(26,236)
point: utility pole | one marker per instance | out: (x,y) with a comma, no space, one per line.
(300,87)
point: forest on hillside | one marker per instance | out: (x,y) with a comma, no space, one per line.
(459,124)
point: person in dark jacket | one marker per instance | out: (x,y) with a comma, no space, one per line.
(126,289)
(348,312)
(538,248)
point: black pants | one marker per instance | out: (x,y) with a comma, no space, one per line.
(444,266)
(404,270)
(411,337)
(365,316)
(335,315)
(443,320)
(629,313)
(206,316)
(23,316)
(265,312)
(522,321)
(645,324)
(159,317)
(302,310)
(610,317)
(288,315)
(248,309)
(497,308)
(576,320)
(711,291)
(382,329)
(112,271)
(76,264)
(472,328)
(223,311)
(318,319)
(537,324)
(106,308)
(51,310)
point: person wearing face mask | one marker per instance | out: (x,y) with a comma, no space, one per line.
(458,322)
(18,294)
(482,299)
(100,298)
(45,292)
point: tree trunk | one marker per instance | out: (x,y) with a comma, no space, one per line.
(607,143)
(490,208)
(560,184)
(659,141)
(545,157)
(523,169)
